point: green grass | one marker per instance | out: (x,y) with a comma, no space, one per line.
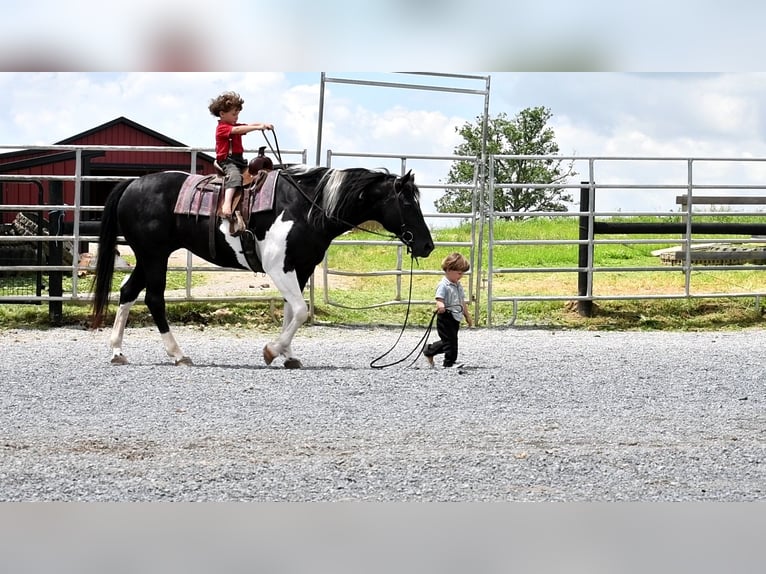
(368,300)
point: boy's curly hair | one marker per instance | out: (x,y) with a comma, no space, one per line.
(455,262)
(225,102)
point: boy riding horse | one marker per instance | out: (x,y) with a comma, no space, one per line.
(228,145)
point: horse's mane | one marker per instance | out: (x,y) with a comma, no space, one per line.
(335,189)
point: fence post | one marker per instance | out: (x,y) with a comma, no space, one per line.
(584,306)
(55,250)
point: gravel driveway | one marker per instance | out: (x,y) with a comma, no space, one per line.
(533,415)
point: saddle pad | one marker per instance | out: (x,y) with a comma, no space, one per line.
(263,200)
(196,196)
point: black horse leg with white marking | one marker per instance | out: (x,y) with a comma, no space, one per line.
(273,248)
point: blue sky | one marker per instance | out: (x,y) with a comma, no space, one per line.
(594,114)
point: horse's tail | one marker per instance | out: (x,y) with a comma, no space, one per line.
(107,246)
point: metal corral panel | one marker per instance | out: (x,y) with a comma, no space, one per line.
(112,163)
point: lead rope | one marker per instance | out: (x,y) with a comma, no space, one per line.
(418,346)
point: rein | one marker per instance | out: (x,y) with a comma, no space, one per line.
(406,236)
(418,346)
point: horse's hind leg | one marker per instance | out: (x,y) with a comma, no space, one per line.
(129,291)
(156,277)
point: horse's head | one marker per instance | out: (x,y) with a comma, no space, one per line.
(354,195)
(402,216)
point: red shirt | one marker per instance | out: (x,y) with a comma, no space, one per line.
(222,136)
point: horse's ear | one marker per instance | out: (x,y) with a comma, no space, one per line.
(405,179)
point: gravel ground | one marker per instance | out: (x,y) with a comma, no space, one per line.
(533,415)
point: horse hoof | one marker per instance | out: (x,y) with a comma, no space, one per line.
(293,363)
(268,356)
(119,360)
(184,362)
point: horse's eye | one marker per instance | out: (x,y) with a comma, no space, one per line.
(403,199)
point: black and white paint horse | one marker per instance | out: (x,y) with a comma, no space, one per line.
(312,206)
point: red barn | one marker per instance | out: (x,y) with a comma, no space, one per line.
(107,163)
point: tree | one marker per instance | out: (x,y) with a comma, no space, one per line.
(526,134)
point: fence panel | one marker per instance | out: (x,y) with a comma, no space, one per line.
(59,242)
(685,233)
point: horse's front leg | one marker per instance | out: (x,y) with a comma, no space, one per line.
(295,314)
(291,362)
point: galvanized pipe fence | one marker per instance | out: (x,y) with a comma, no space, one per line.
(55,236)
(692,176)
(490,283)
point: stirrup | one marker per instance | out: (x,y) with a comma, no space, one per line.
(236,224)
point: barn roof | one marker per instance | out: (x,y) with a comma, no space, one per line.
(32,154)
(122,120)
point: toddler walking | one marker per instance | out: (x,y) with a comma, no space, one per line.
(451,308)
